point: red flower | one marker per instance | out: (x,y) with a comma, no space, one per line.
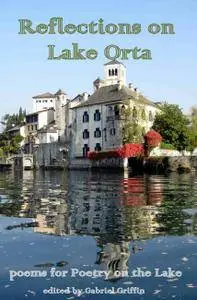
(152,139)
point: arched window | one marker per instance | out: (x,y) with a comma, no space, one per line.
(112,131)
(143,114)
(116,110)
(97,133)
(150,116)
(85,117)
(85,134)
(109,72)
(97,115)
(122,109)
(116,72)
(112,72)
(134,112)
(143,131)
(85,150)
(98,147)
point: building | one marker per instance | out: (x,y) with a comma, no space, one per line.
(48,134)
(35,122)
(58,102)
(97,122)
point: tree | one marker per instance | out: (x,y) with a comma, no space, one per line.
(172,124)
(9,144)
(193,129)
(132,131)
(13,120)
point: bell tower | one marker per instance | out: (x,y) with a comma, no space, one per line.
(115,72)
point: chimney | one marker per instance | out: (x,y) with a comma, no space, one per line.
(85,96)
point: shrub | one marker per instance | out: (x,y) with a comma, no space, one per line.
(166,146)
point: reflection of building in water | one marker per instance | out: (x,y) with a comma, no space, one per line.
(44,200)
(52,217)
(115,213)
(114,257)
(141,199)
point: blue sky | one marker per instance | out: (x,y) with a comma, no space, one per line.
(169,76)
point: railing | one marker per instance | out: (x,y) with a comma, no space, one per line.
(113,118)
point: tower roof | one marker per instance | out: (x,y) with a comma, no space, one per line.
(60,92)
(113,62)
(98,80)
(45,95)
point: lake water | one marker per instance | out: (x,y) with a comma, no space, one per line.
(98,236)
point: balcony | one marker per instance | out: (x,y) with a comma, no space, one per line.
(114,118)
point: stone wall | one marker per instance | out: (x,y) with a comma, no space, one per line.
(53,155)
(170,164)
(80,163)
(107,163)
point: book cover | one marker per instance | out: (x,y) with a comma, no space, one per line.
(98,150)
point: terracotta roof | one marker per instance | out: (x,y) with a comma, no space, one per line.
(45,95)
(40,111)
(112,93)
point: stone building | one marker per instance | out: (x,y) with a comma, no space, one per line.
(97,122)
(59,102)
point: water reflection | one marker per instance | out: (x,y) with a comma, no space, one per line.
(118,211)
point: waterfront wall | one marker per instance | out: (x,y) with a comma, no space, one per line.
(52,155)
(170,164)
(150,164)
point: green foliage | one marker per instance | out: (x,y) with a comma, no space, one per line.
(132,131)
(9,144)
(11,121)
(172,124)
(193,129)
(166,146)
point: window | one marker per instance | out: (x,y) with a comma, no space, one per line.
(85,134)
(98,147)
(36,127)
(112,72)
(85,117)
(116,72)
(28,127)
(97,133)
(134,112)
(105,134)
(32,127)
(116,110)
(51,100)
(39,101)
(85,150)
(97,115)
(112,131)
(122,109)
(143,114)
(46,101)
(150,116)
(109,72)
